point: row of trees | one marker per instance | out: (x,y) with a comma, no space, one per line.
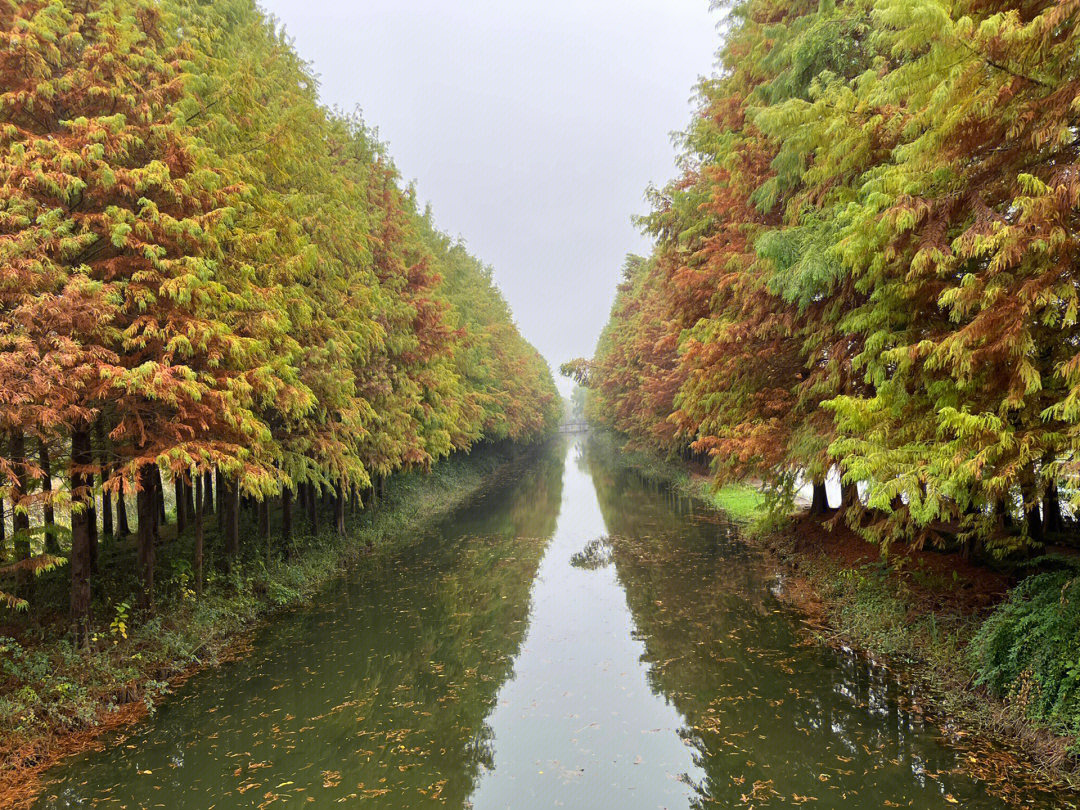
(870,262)
(209,281)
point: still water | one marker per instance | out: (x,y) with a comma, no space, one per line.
(576,638)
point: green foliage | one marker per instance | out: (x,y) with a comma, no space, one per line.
(869,263)
(1028,650)
(119,625)
(206,271)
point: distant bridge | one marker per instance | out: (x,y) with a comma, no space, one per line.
(574,426)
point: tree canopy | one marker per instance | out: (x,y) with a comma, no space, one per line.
(205,273)
(869,263)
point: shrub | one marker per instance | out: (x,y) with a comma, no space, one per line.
(1028,650)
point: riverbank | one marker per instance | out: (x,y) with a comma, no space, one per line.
(916,613)
(56,701)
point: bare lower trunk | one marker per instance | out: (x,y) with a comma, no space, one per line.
(1052,509)
(1032,515)
(123,528)
(264,525)
(1003,513)
(232,522)
(199,516)
(146,501)
(286,516)
(181,504)
(163,518)
(313,509)
(264,518)
(222,502)
(92,512)
(80,537)
(189,500)
(20,519)
(106,510)
(820,503)
(208,492)
(52,542)
(339,509)
(849,496)
(106,469)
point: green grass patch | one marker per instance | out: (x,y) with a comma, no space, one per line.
(742,502)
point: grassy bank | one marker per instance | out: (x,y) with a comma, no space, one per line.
(55,700)
(920,611)
(741,501)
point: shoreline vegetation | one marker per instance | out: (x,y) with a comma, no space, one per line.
(866,271)
(57,701)
(215,292)
(915,612)
(228,329)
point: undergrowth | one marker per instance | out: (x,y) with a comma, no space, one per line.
(1028,650)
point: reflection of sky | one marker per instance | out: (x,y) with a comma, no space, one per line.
(480,665)
(579,726)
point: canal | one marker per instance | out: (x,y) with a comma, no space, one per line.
(575,638)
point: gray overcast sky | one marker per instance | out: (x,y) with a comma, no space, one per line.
(532,128)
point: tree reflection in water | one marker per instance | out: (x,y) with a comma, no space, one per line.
(773,719)
(575,638)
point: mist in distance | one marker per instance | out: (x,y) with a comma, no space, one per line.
(532,129)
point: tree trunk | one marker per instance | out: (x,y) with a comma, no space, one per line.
(339,508)
(1031,512)
(107,529)
(264,524)
(1003,514)
(158,501)
(232,522)
(106,471)
(123,528)
(313,510)
(1052,509)
(81,456)
(92,515)
(163,518)
(189,499)
(820,503)
(222,502)
(286,516)
(1034,522)
(208,492)
(849,496)
(20,519)
(199,515)
(3,531)
(181,504)
(52,542)
(146,500)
